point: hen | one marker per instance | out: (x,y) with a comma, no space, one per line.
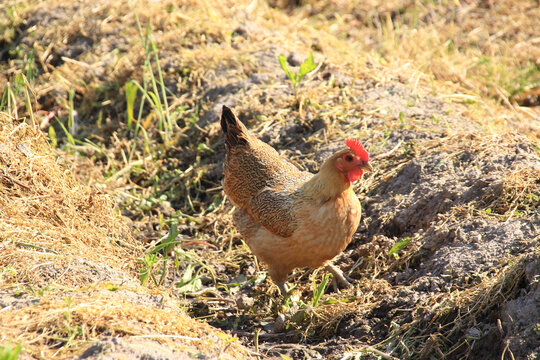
(291,218)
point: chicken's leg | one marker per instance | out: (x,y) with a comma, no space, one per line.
(342,279)
(283,288)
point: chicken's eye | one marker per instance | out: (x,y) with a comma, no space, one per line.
(348,158)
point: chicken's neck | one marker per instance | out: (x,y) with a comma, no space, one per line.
(328,183)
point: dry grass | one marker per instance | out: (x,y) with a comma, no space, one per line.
(46,212)
(60,327)
(65,254)
(453,314)
(479,52)
(519,194)
(473,55)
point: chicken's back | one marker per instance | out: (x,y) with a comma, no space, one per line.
(252,165)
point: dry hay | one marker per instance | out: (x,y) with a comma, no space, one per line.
(61,241)
(61,327)
(47,216)
(480,52)
(520,193)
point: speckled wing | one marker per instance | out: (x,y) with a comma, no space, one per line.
(274,211)
(274,208)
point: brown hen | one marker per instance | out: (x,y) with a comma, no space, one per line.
(291,218)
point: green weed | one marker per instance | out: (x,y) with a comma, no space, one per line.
(67,133)
(318,291)
(155,262)
(71,331)
(8,271)
(153,93)
(52,137)
(305,68)
(40,292)
(71,113)
(146,271)
(152,258)
(191,277)
(13,91)
(8,352)
(525,79)
(400,245)
(8,102)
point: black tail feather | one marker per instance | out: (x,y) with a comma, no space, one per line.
(235,132)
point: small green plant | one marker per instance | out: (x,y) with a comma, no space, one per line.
(191,276)
(526,79)
(318,291)
(400,245)
(41,292)
(10,353)
(26,60)
(151,259)
(305,68)
(69,136)
(52,137)
(148,263)
(155,263)
(304,311)
(72,126)
(70,331)
(191,280)
(8,102)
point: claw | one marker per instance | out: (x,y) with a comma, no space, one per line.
(339,277)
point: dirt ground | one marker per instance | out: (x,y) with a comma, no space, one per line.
(117,240)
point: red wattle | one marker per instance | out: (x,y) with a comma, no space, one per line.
(355,174)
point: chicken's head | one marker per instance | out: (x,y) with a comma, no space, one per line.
(353,161)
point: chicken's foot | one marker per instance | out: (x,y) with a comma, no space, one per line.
(283,288)
(339,277)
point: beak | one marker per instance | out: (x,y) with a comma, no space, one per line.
(366,166)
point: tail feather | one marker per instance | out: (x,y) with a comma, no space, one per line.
(235,132)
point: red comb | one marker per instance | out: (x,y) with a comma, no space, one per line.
(355,146)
